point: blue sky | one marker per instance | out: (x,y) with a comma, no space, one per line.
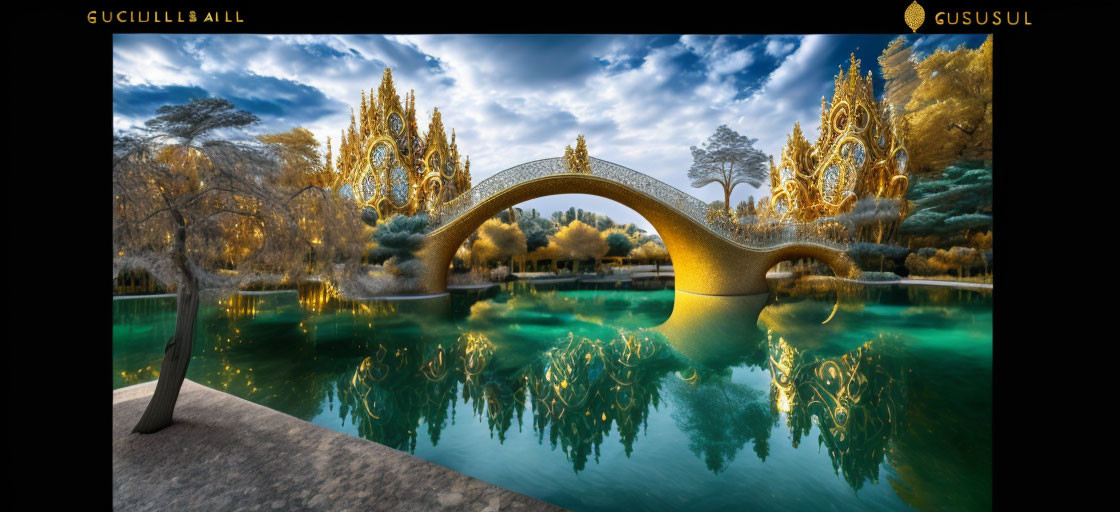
(640,100)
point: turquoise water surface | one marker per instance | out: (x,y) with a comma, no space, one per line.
(613,400)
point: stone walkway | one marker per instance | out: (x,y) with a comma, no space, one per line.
(915,282)
(225,453)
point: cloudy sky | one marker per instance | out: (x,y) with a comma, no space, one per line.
(641,101)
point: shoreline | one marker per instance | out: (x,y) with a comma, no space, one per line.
(913,282)
(247,455)
(560,280)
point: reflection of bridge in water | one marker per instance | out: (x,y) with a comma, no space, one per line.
(711,254)
(580,391)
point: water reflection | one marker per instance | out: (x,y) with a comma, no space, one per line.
(582,367)
(581,389)
(857,401)
(720,417)
(577,391)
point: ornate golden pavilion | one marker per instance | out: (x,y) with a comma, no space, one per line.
(385,164)
(859,153)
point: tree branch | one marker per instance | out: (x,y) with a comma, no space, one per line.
(961,128)
(305,189)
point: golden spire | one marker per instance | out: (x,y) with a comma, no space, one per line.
(851,86)
(853,73)
(577,159)
(856,154)
(774,177)
(796,135)
(343,166)
(387,94)
(363,117)
(385,132)
(413,128)
(435,133)
(377,114)
(824,116)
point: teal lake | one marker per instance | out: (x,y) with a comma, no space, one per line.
(614,400)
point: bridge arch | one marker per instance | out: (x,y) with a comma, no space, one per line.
(705,261)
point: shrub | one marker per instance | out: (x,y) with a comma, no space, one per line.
(920,263)
(879,257)
(618,244)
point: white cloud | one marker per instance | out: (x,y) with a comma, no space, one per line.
(779,46)
(513,99)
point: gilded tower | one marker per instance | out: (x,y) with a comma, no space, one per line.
(577,160)
(384,164)
(858,154)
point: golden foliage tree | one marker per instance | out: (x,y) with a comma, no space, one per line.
(298,152)
(900,73)
(578,241)
(206,213)
(498,241)
(545,252)
(948,104)
(650,251)
(981,241)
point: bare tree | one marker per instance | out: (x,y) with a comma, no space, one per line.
(211,214)
(729,159)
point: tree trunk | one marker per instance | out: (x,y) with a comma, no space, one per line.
(177,353)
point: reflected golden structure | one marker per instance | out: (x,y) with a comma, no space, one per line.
(580,389)
(859,153)
(715,331)
(385,164)
(577,391)
(241,306)
(314,296)
(137,282)
(322,297)
(857,400)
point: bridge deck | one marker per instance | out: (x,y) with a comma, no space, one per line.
(760,237)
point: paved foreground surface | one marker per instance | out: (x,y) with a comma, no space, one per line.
(225,453)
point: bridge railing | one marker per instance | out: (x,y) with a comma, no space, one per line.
(756,236)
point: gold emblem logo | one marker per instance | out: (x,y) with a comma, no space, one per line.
(915,16)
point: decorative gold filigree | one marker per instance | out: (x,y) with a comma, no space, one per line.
(856,401)
(859,153)
(577,159)
(384,164)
